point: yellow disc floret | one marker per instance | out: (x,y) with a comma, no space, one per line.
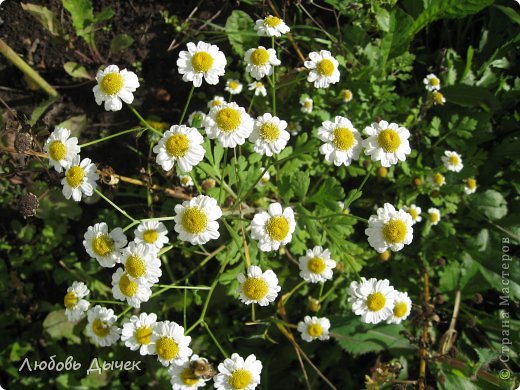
(413,213)
(389,140)
(202,61)
(240,379)
(471,184)
(228,119)
(135,266)
(325,67)
(400,309)
(272,21)
(75,176)
(454,160)
(143,335)
(128,287)
(438,179)
(434,81)
(233,84)
(315,330)
(177,145)
(376,301)
(100,328)
(194,220)
(166,348)
(270,132)
(394,231)
(57,150)
(316,265)
(102,245)
(255,288)
(434,217)
(150,236)
(260,56)
(112,83)
(277,228)
(343,138)
(70,300)
(188,377)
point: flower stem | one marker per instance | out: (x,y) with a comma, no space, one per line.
(187,104)
(168,286)
(115,206)
(205,326)
(111,136)
(143,121)
(273,86)
(251,104)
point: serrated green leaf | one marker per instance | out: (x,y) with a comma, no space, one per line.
(300,184)
(82,17)
(46,18)
(58,326)
(120,42)
(240,32)
(491,203)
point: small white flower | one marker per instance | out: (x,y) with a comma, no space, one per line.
(387,143)
(113,86)
(346,95)
(306,104)
(415,213)
(141,263)
(216,101)
(126,288)
(100,328)
(402,308)
(389,229)
(169,343)
(294,128)
(470,186)
(432,82)
(195,119)
(234,87)
(323,69)
(258,87)
(201,61)
(196,220)
(258,287)
(137,333)
(151,233)
(75,305)
(80,179)
(438,98)
(186,181)
(61,148)
(273,227)
(235,373)
(260,62)
(342,141)
(181,145)
(271,26)
(312,328)
(437,179)
(372,299)
(183,377)
(434,215)
(269,135)
(265,179)
(316,266)
(103,246)
(452,161)
(229,123)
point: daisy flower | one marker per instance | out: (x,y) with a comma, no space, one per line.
(75,306)
(434,215)
(234,87)
(316,266)
(389,229)
(265,179)
(402,308)
(415,213)
(258,287)
(229,123)
(273,227)
(438,179)
(452,161)
(258,87)
(61,148)
(80,179)
(372,299)
(346,95)
(169,343)
(235,373)
(387,143)
(294,128)
(114,85)
(216,101)
(470,186)
(103,246)
(186,181)
(201,61)
(269,135)
(100,327)
(323,69)
(342,141)
(432,82)
(181,145)
(195,119)
(137,332)
(260,62)
(313,328)
(306,104)
(126,288)
(141,263)
(196,220)
(271,26)
(438,98)
(151,233)
(184,378)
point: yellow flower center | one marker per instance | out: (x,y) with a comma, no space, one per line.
(178,145)
(228,119)
(194,220)
(157,125)
(277,228)
(188,377)
(454,160)
(100,328)
(382,172)
(376,301)
(143,335)
(150,236)
(112,83)
(400,309)
(75,176)
(202,61)
(269,132)
(438,97)
(438,179)
(434,217)
(307,104)
(216,103)
(385,256)
(258,84)
(102,245)
(127,286)
(413,213)
(389,140)
(135,266)
(316,265)
(185,180)
(260,56)
(315,330)
(394,231)
(471,183)
(57,150)
(343,138)
(233,84)
(272,21)
(347,95)
(240,379)
(255,288)
(166,348)
(434,81)
(325,67)
(70,300)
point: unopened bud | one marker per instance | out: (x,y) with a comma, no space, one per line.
(382,172)
(385,256)
(208,184)
(313,304)
(28,205)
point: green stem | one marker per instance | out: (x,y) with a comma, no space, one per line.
(168,286)
(124,311)
(184,308)
(110,136)
(295,288)
(205,325)
(369,172)
(335,215)
(251,104)
(273,82)
(143,121)
(116,206)
(187,104)
(106,301)
(253,316)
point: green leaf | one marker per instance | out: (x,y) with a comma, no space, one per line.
(510,12)
(300,184)
(383,19)
(58,326)
(105,14)
(470,96)
(41,108)
(76,70)
(120,42)
(46,18)
(491,203)
(449,277)
(240,32)
(328,194)
(82,17)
